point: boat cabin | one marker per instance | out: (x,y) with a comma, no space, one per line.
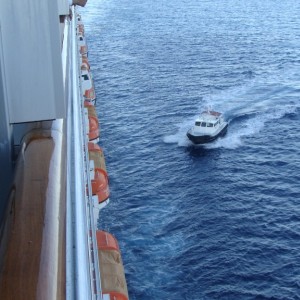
(208,127)
(207,122)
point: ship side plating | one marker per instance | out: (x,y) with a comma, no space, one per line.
(48,211)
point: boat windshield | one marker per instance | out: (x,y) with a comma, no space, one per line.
(204,124)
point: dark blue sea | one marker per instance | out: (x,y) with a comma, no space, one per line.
(201,222)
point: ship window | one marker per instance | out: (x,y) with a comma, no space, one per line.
(209,124)
(203,124)
(197,123)
(85,77)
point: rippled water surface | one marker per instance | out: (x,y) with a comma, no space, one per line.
(201,222)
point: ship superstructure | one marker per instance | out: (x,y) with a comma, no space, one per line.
(48,206)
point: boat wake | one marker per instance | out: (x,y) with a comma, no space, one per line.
(180,137)
(248,126)
(247,108)
(241,126)
(246,118)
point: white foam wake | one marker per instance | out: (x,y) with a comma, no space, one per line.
(247,108)
(180,137)
(249,126)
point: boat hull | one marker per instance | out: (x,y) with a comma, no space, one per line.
(204,139)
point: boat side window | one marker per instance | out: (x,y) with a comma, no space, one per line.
(203,124)
(85,77)
(209,124)
(197,123)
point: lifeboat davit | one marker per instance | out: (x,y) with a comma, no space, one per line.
(94,128)
(100,187)
(113,281)
(82,44)
(88,89)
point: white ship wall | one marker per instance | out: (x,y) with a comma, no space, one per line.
(31,50)
(5,146)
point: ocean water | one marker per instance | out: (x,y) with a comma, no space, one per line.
(220,221)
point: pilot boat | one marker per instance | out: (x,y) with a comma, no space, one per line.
(208,126)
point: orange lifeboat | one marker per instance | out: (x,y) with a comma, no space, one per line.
(83,49)
(99,182)
(96,153)
(89,95)
(100,185)
(81,3)
(82,44)
(94,128)
(81,28)
(113,281)
(85,63)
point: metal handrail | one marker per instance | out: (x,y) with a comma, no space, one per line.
(83,274)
